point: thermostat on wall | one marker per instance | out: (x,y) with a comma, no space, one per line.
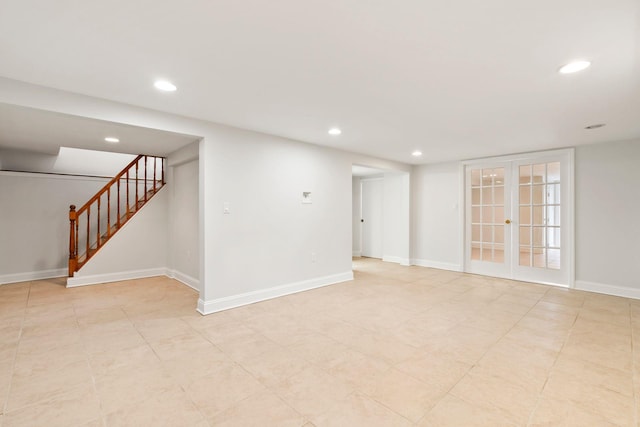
(306,197)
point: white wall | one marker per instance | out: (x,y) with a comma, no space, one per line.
(270,238)
(607,212)
(396,218)
(356,216)
(139,249)
(34,222)
(435,211)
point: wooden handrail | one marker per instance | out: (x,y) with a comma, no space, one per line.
(77,260)
(109,184)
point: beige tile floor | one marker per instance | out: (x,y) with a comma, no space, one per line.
(398,346)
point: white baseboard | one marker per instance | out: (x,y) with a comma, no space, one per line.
(357,254)
(72,282)
(436,264)
(396,259)
(601,288)
(220,304)
(32,275)
(184,278)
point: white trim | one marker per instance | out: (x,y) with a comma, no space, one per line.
(356,254)
(220,304)
(519,156)
(601,288)
(572,214)
(32,275)
(55,175)
(462,218)
(184,279)
(396,259)
(72,282)
(436,264)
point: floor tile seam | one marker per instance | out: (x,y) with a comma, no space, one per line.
(5,405)
(201,411)
(634,379)
(268,390)
(305,417)
(91,370)
(489,348)
(550,370)
(452,386)
(535,409)
(486,405)
(133,323)
(362,392)
(584,406)
(188,396)
(47,399)
(206,338)
(146,399)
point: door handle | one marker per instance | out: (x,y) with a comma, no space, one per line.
(507,221)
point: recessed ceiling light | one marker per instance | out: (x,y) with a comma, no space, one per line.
(574,67)
(334,131)
(599,125)
(165,86)
(112,140)
(417,153)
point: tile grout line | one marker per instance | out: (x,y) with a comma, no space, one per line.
(634,373)
(17,350)
(88,362)
(555,361)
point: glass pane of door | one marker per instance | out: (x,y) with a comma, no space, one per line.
(487,213)
(539,210)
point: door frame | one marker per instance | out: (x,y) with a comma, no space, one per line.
(569,251)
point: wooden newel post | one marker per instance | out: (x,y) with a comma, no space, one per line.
(73,250)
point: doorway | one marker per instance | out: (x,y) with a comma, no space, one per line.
(380,214)
(519,217)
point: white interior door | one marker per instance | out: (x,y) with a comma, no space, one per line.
(488,202)
(519,217)
(542,220)
(371,219)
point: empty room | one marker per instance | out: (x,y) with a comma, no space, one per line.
(312,214)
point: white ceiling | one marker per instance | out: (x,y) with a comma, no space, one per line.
(455,79)
(45,132)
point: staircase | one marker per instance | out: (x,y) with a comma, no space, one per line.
(109,210)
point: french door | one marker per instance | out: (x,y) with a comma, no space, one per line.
(519,217)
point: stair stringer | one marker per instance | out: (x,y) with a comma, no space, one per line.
(138,249)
